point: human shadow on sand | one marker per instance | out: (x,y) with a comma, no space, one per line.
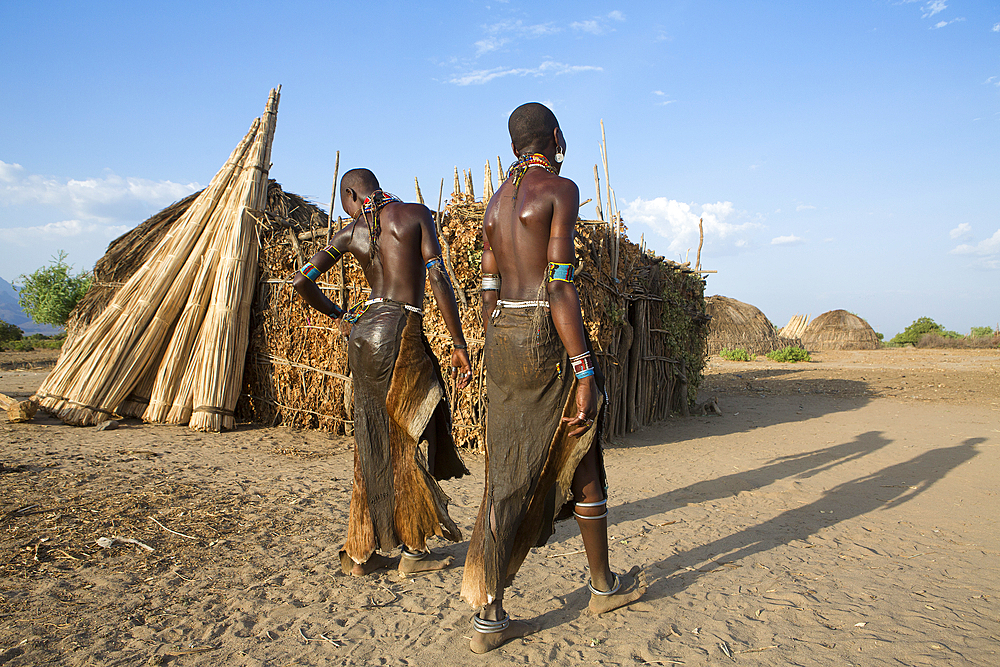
(889,487)
(754,399)
(802,465)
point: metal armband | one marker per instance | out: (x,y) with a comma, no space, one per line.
(491,282)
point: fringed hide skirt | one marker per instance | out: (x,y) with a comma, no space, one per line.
(402,433)
(530,456)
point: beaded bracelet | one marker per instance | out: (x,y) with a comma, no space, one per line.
(583,366)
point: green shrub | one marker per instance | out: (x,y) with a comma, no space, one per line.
(50,293)
(790,354)
(924,325)
(979,332)
(10,332)
(18,345)
(737,354)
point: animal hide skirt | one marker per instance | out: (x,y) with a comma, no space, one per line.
(530,456)
(402,434)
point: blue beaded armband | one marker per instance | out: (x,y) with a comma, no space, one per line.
(310,271)
(434,262)
(556,271)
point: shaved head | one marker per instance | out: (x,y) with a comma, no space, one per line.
(531,126)
(362,181)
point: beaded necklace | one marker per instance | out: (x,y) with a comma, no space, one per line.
(526,162)
(372,204)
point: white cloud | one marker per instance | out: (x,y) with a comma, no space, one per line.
(599,24)
(787,240)
(962,231)
(934,7)
(665,102)
(996,27)
(105,200)
(984,255)
(805,207)
(941,24)
(990,246)
(548,67)
(64,230)
(678,221)
(504,32)
(593,27)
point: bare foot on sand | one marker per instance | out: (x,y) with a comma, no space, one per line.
(374,562)
(429,562)
(631,586)
(484,642)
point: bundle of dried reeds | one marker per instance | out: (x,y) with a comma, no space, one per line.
(219,370)
(136,348)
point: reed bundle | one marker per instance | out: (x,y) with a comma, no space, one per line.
(115,363)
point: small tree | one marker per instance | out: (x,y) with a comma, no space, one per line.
(924,325)
(978,332)
(50,293)
(9,332)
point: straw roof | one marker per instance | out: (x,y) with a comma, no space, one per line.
(840,330)
(739,325)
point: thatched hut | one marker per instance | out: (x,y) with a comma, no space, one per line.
(840,330)
(739,325)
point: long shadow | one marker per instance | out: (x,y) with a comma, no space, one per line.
(889,487)
(846,501)
(745,397)
(794,466)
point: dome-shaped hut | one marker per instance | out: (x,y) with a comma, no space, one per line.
(840,330)
(739,325)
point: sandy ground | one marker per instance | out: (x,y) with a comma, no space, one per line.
(840,512)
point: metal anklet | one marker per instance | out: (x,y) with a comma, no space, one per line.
(597,504)
(614,589)
(418,555)
(486,627)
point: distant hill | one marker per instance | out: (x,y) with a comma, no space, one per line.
(10,312)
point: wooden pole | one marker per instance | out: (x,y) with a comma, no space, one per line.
(701,241)
(458,187)
(597,186)
(416,184)
(333,198)
(488,185)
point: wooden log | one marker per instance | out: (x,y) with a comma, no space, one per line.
(17,411)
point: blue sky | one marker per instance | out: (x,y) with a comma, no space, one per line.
(842,155)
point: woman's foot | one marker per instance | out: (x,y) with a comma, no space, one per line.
(489,635)
(425,562)
(628,588)
(374,562)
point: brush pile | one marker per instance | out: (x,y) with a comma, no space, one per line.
(169,344)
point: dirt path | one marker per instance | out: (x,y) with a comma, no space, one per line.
(819,521)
